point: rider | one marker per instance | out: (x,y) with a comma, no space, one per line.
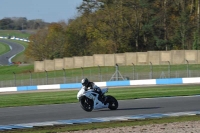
(90,85)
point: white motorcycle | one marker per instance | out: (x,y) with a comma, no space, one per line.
(90,100)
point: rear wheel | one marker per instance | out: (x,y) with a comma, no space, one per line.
(113,103)
(86,104)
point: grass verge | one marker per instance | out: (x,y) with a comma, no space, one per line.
(8,70)
(93,126)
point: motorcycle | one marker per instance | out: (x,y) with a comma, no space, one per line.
(90,100)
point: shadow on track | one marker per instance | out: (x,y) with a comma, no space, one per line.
(145,108)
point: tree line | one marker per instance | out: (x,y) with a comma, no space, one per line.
(21,23)
(117,26)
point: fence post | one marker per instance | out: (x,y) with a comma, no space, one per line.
(54,79)
(169,69)
(14,77)
(82,72)
(187,68)
(116,71)
(100,73)
(30,77)
(64,75)
(151,69)
(46,77)
(133,71)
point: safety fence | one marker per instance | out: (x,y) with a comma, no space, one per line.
(100,74)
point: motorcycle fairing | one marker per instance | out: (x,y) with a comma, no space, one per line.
(94,96)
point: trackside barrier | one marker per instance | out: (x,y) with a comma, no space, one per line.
(169,81)
(14,38)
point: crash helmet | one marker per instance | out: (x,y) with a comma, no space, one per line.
(85,82)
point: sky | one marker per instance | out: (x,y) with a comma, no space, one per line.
(47,10)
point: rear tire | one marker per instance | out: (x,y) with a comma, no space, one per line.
(86,104)
(113,103)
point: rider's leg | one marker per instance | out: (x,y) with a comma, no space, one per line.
(100,97)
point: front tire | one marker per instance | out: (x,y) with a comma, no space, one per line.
(86,104)
(113,103)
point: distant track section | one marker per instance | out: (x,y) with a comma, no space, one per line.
(16,48)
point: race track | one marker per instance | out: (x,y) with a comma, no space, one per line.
(43,113)
(15,49)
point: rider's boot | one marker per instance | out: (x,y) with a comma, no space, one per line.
(101,97)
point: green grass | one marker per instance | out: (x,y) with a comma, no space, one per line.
(61,97)
(4,48)
(6,70)
(149,92)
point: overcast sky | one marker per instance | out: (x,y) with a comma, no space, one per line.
(47,10)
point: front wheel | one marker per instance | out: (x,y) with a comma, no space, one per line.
(113,103)
(86,104)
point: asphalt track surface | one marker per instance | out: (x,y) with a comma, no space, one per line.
(15,49)
(43,113)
